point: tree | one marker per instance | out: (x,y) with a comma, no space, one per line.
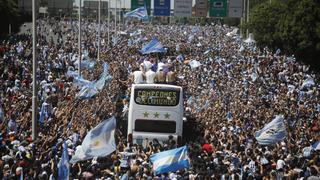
(301,30)
(293,26)
(265,21)
(9,15)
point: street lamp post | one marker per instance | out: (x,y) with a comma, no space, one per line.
(108,41)
(34,74)
(115,18)
(99,31)
(248,14)
(79,38)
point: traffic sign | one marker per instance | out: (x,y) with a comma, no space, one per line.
(161,8)
(218,8)
(183,8)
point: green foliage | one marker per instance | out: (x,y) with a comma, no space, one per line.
(9,15)
(293,26)
(264,23)
(231,21)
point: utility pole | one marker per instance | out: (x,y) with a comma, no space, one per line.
(79,38)
(248,14)
(108,23)
(99,30)
(120,17)
(243,18)
(115,19)
(9,28)
(34,74)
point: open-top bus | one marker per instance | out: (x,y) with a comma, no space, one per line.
(155,112)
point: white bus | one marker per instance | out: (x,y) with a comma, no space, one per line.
(155,112)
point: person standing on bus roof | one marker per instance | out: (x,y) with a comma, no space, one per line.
(171,77)
(160,76)
(138,75)
(150,75)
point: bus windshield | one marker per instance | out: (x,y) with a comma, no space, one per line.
(155,126)
(157,97)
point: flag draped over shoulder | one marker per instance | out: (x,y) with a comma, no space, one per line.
(153,46)
(273,132)
(171,160)
(98,142)
(140,13)
(63,166)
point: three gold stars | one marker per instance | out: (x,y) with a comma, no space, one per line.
(156,115)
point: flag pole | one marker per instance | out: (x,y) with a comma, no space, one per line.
(99,30)
(79,38)
(34,74)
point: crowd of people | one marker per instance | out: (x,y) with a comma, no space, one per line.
(233,90)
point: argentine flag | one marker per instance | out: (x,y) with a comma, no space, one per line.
(63,166)
(98,142)
(153,46)
(140,13)
(171,160)
(194,64)
(273,132)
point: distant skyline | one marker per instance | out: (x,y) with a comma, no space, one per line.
(125,3)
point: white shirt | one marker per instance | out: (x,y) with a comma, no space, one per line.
(138,77)
(280,164)
(150,75)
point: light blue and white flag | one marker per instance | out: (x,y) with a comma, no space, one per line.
(90,89)
(206,104)
(195,29)
(254,76)
(207,51)
(194,64)
(63,166)
(85,64)
(153,46)
(79,81)
(1,115)
(273,132)
(171,160)
(43,112)
(104,77)
(140,13)
(316,145)
(309,82)
(72,73)
(180,58)
(190,100)
(229,116)
(190,38)
(87,92)
(98,142)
